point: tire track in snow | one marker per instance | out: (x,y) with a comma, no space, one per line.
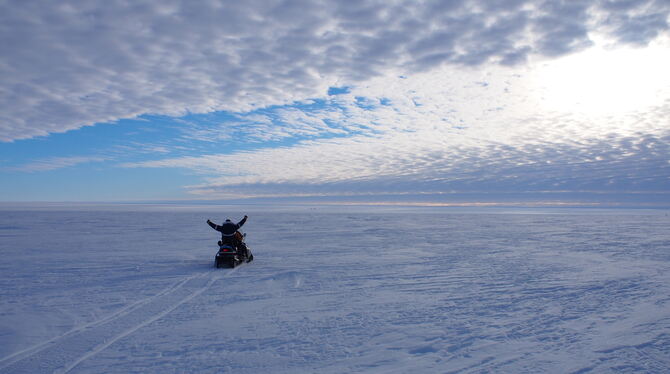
(30,351)
(63,353)
(132,329)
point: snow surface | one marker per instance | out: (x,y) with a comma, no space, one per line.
(132,289)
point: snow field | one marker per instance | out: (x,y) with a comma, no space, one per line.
(332,290)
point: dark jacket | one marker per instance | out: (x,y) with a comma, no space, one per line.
(228,228)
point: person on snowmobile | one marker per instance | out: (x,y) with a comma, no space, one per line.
(229,233)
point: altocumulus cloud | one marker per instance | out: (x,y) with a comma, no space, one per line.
(69,64)
(419,143)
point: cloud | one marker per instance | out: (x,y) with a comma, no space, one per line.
(70,64)
(53,163)
(636,22)
(483,130)
(381,166)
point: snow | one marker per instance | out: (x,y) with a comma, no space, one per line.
(132,289)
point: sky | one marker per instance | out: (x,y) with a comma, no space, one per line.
(431,102)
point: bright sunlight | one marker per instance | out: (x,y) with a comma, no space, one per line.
(601,82)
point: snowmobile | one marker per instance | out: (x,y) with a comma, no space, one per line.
(232,253)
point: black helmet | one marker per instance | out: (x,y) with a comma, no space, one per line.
(228,220)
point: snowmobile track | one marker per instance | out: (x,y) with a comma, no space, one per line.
(64,352)
(6,361)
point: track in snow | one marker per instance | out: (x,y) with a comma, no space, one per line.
(63,353)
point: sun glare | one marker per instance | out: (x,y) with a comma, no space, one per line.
(605,82)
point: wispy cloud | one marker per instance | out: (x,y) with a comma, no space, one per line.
(53,163)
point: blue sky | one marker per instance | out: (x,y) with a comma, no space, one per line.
(430,102)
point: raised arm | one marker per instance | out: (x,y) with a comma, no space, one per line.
(213,225)
(239,224)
